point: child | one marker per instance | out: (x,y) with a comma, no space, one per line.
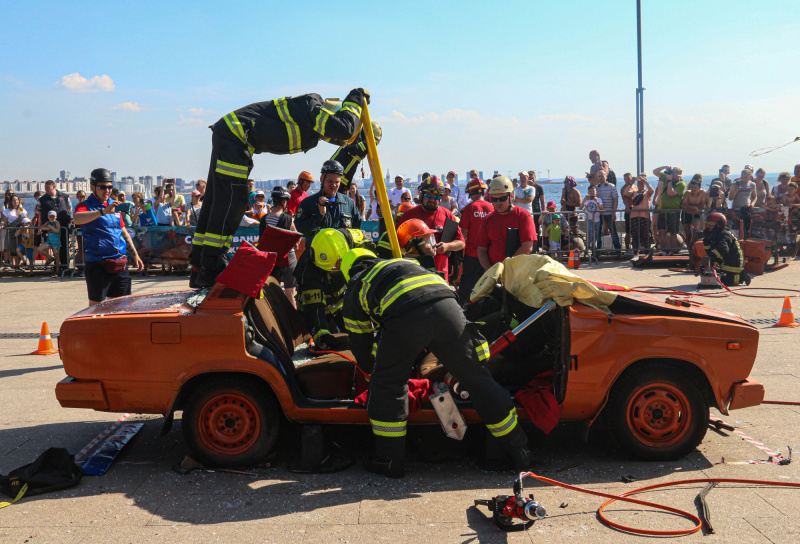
(592,206)
(25,247)
(52,240)
(544,221)
(554,233)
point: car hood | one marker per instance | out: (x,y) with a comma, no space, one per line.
(161,302)
(652,303)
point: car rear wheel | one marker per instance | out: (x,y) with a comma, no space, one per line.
(230,422)
(658,413)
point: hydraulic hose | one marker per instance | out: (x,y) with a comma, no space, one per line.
(625,497)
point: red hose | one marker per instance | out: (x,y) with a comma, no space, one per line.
(624,497)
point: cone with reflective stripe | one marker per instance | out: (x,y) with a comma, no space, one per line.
(571,260)
(45,342)
(787,315)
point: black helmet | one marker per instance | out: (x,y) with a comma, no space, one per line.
(280,192)
(100,174)
(332,167)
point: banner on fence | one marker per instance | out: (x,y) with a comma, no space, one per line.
(172,245)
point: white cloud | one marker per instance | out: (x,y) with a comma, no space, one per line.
(191,121)
(79,84)
(197,112)
(129,106)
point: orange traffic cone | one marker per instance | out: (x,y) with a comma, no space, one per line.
(577,262)
(787,315)
(45,342)
(571,260)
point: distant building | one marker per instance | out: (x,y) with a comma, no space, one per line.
(64,175)
(114,177)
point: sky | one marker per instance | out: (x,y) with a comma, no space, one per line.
(506,86)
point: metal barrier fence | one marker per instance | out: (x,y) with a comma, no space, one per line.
(24,247)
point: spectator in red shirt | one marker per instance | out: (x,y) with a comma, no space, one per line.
(472,218)
(493,242)
(433,215)
(304,182)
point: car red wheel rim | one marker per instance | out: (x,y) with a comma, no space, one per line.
(228,424)
(659,415)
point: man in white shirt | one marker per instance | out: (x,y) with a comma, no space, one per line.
(396,194)
(524,194)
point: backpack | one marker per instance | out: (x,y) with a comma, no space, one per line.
(53,470)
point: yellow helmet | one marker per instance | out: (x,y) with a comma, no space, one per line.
(327,249)
(331,106)
(377,131)
(354,237)
(351,257)
(500,185)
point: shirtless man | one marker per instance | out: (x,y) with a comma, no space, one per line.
(598,166)
(693,201)
(628,192)
(570,199)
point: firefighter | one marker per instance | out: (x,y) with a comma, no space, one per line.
(350,156)
(321,286)
(327,208)
(723,249)
(280,126)
(414,309)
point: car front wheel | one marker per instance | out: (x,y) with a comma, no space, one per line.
(658,413)
(230,422)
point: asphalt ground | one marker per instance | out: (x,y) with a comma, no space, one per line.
(140,499)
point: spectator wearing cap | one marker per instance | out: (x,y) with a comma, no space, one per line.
(300,192)
(396,194)
(261,196)
(52,240)
(448,201)
(524,193)
(106,241)
(193,208)
(54,200)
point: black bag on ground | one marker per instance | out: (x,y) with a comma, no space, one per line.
(53,470)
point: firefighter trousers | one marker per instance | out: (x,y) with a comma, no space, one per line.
(225,200)
(441,327)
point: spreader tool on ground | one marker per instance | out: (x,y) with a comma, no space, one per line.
(506,508)
(509,337)
(708,278)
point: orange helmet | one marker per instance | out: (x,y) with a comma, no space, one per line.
(412,229)
(403,208)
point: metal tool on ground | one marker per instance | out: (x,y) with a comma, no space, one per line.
(188,465)
(506,508)
(45,342)
(509,337)
(708,277)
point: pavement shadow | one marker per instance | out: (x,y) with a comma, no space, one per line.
(143,472)
(20,371)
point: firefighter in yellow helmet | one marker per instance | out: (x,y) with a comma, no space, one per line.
(281,126)
(414,309)
(321,286)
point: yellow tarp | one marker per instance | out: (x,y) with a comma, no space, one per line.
(534,279)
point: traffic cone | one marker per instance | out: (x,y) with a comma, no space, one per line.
(787,315)
(45,342)
(571,260)
(577,259)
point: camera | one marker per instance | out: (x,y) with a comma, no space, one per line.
(668,171)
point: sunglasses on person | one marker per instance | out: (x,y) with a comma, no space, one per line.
(499,198)
(431,197)
(104,187)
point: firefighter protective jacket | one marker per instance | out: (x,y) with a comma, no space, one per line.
(350,157)
(290,124)
(723,248)
(320,295)
(382,289)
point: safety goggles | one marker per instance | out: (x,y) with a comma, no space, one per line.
(498,198)
(432,197)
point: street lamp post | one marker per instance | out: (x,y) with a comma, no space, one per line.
(639,94)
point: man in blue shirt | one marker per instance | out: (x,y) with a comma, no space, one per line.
(105,240)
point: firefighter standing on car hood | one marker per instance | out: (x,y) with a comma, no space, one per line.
(723,249)
(321,286)
(281,126)
(415,309)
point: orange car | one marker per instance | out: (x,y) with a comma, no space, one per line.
(653,368)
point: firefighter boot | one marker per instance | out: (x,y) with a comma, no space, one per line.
(210,269)
(390,468)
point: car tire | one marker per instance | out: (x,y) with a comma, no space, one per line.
(230,422)
(657,412)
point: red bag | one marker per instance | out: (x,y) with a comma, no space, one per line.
(279,241)
(114,266)
(248,270)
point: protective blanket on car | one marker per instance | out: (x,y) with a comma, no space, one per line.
(534,279)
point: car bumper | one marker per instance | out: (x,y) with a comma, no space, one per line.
(745,394)
(72,393)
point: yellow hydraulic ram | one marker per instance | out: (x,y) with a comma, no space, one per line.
(377,179)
